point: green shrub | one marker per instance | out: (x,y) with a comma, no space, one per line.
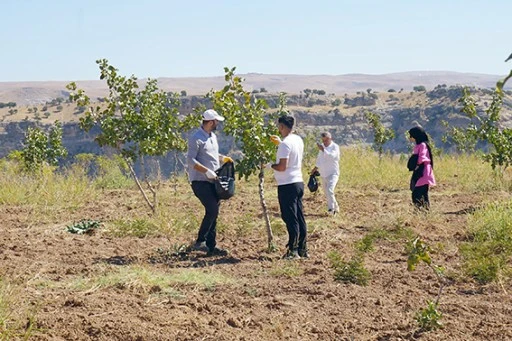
(352,271)
(365,244)
(85,226)
(429,318)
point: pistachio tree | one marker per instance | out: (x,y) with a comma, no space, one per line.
(135,121)
(248,121)
(381,134)
(419,252)
(40,147)
(484,128)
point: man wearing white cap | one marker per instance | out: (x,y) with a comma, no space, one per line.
(203,159)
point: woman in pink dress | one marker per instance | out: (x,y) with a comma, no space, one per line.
(421,164)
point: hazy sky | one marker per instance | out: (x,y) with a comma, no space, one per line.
(61,40)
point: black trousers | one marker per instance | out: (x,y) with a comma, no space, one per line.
(292,213)
(205,192)
(420,197)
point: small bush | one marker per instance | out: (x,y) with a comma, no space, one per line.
(352,271)
(429,318)
(85,226)
(337,102)
(365,244)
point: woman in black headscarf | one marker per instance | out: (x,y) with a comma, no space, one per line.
(421,163)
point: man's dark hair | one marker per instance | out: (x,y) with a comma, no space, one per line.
(288,121)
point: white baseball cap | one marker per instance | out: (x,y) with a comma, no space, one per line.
(211,114)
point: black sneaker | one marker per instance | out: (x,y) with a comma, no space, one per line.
(291,254)
(217,252)
(199,247)
(303,254)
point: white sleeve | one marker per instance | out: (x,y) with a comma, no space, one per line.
(334,153)
(283,151)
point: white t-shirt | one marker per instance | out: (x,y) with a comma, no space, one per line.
(291,148)
(328,161)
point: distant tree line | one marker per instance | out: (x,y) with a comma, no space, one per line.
(419,88)
(309,92)
(7,105)
(260,90)
(56,101)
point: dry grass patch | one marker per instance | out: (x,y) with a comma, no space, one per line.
(17,318)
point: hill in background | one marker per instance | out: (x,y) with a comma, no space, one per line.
(342,115)
(29,93)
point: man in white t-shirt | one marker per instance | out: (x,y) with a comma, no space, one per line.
(290,186)
(328,165)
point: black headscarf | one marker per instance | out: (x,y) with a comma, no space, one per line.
(419,134)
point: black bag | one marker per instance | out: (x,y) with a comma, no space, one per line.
(313,182)
(416,173)
(412,162)
(225,182)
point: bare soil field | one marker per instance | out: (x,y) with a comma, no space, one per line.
(107,287)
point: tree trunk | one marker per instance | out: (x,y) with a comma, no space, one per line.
(132,171)
(175,174)
(270,235)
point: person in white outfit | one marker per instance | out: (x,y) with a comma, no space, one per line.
(328,165)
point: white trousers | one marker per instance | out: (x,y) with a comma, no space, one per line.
(329,184)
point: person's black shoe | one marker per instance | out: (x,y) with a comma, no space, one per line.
(291,254)
(199,247)
(303,254)
(217,252)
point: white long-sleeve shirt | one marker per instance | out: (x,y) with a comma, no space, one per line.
(328,160)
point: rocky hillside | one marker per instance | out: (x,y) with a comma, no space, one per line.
(315,111)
